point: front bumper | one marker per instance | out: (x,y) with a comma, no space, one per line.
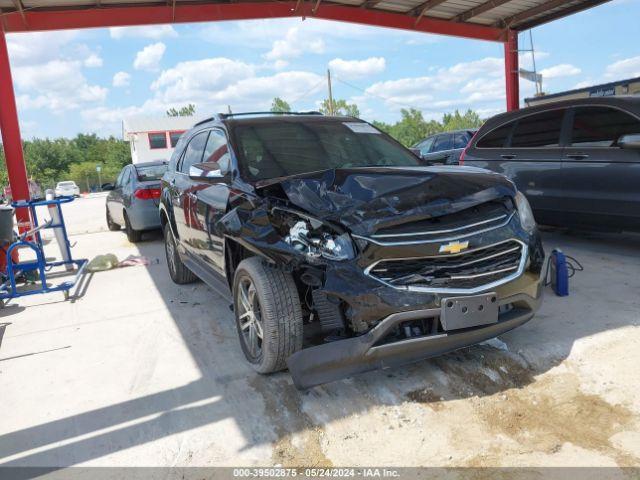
(331,361)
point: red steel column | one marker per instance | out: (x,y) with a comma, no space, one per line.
(511,70)
(11,140)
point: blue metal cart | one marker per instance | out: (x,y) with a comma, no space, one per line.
(42,268)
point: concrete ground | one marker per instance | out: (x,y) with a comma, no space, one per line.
(138,371)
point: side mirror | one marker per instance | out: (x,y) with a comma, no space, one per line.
(108,186)
(631,141)
(206,171)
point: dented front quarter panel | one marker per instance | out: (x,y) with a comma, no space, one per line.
(363,200)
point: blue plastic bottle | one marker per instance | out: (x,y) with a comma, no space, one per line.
(559,273)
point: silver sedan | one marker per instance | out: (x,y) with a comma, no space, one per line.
(133,200)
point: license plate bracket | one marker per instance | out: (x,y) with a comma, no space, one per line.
(469,311)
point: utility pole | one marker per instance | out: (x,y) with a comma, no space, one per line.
(229,110)
(331,112)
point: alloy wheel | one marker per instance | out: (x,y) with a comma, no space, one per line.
(250,318)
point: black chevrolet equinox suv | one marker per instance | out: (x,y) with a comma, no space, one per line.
(339,251)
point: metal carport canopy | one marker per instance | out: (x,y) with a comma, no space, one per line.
(491,20)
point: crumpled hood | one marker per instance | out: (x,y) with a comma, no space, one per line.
(367,199)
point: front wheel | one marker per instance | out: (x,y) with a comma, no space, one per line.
(268,315)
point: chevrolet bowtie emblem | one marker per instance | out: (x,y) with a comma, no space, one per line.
(453,247)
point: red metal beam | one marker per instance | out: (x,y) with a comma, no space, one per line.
(70,18)
(11,137)
(511,71)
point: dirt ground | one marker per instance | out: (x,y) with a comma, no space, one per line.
(137,371)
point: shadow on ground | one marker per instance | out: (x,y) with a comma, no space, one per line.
(268,409)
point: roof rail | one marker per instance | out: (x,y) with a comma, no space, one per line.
(222,116)
(206,120)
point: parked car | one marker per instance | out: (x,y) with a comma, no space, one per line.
(339,251)
(133,200)
(35,191)
(67,189)
(443,148)
(577,161)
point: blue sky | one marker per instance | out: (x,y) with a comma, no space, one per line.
(88,80)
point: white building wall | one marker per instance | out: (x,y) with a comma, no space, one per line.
(142,152)
(138,129)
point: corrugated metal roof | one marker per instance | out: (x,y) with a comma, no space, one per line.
(514,14)
(156,124)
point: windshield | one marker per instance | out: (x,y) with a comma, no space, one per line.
(66,184)
(151,172)
(289,147)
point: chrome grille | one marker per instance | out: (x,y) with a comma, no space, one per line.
(468,271)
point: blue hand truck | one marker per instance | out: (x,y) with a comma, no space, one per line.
(40,266)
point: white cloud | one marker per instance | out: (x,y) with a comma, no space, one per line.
(93,61)
(198,79)
(295,42)
(149,57)
(155,32)
(39,47)
(121,79)
(626,68)
(357,68)
(562,70)
(57,85)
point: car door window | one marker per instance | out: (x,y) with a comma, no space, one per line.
(425,147)
(217,150)
(601,126)
(538,130)
(443,142)
(496,138)
(460,140)
(193,152)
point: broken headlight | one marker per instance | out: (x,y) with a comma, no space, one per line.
(526,214)
(314,239)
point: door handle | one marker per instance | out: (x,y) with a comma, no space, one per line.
(577,156)
(508,156)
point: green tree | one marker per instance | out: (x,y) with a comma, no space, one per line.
(279,105)
(340,108)
(186,111)
(412,127)
(456,121)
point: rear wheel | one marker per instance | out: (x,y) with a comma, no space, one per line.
(134,236)
(178,272)
(113,226)
(268,315)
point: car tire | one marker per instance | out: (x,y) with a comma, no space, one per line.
(134,236)
(268,314)
(178,272)
(111,225)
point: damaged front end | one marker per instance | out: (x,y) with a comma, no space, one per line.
(378,254)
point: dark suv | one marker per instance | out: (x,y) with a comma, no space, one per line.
(577,161)
(443,148)
(340,252)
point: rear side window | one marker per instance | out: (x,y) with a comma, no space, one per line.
(443,142)
(193,152)
(460,140)
(496,138)
(601,126)
(538,130)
